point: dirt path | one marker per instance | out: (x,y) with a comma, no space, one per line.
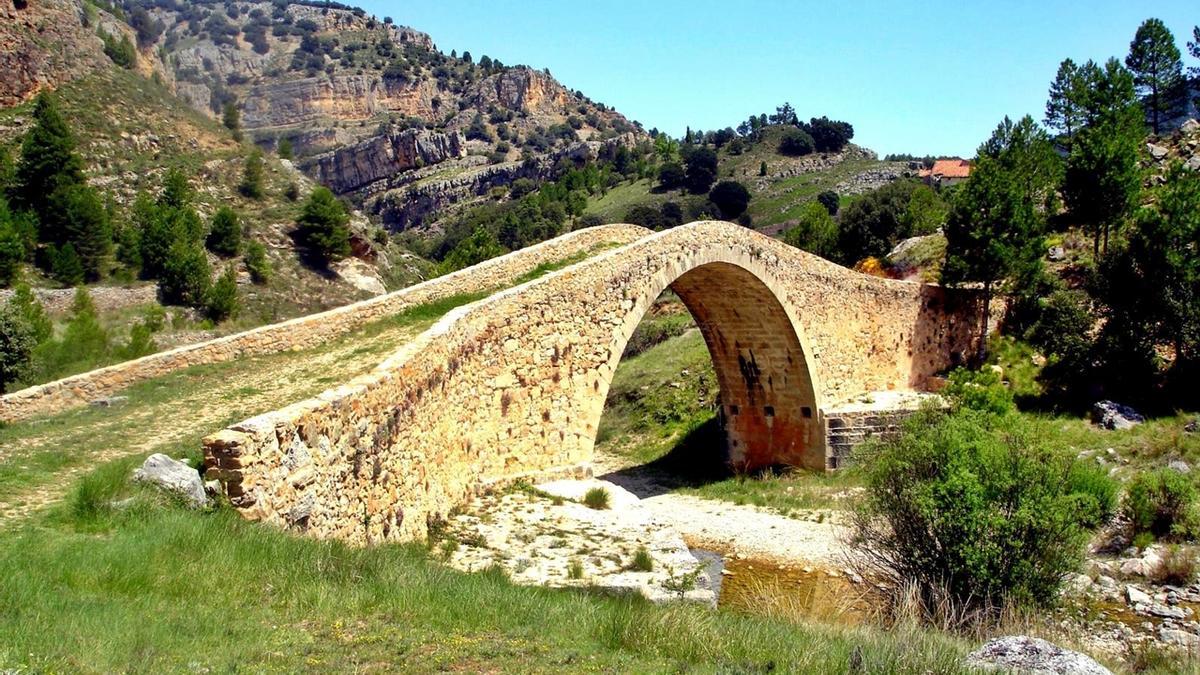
(39,458)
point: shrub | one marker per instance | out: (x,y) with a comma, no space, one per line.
(1162,503)
(225,233)
(731,198)
(979,390)
(284,149)
(830,200)
(257,263)
(12,248)
(642,562)
(17,340)
(1177,567)
(671,176)
(596,498)
(816,231)
(796,143)
(701,170)
(223,300)
(292,192)
(967,509)
(762,168)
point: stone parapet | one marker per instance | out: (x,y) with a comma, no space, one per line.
(307,331)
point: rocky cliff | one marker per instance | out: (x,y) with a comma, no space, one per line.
(43,46)
(384,156)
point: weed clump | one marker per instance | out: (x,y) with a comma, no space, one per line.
(1163,504)
(596,498)
(642,562)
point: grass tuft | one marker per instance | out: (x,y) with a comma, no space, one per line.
(596,498)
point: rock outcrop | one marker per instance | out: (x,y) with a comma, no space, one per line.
(350,97)
(407,204)
(43,45)
(173,476)
(383,156)
(1023,654)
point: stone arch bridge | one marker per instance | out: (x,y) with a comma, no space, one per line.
(513,386)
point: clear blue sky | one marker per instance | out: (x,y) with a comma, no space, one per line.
(921,77)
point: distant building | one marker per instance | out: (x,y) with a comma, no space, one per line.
(946,172)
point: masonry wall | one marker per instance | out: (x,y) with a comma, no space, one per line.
(307,331)
(515,385)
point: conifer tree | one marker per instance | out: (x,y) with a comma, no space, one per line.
(225,233)
(48,157)
(1064,108)
(324,226)
(1157,69)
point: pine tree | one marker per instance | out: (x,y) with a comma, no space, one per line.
(225,233)
(1157,69)
(16,346)
(48,157)
(65,265)
(284,149)
(1103,178)
(186,276)
(177,192)
(324,226)
(995,229)
(223,300)
(32,312)
(252,176)
(12,247)
(75,212)
(1064,109)
(232,119)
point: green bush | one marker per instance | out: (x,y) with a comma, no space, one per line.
(796,143)
(596,498)
(979,390)
(65,265)
(1162,503)
(731,198)
(223,300)
(225,233)
(257,263)
(252,176)
(16,345)
(972,511)
(816,231)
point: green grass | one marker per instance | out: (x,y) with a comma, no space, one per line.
(152,587)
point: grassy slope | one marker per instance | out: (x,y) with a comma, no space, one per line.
(131,131)
(152,587)
(777,203)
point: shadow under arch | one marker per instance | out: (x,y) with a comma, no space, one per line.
(770,409)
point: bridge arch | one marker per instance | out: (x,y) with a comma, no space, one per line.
(770,407)
(513,386)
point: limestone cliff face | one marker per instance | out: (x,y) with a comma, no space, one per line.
(339,98)
(43,45)
(416,203)
(523,89)
(376,159)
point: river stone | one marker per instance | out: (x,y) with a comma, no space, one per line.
(1026,654)
(175,476)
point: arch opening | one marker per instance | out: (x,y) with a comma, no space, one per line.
(766,411)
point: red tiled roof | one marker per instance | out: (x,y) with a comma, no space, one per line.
(951,168)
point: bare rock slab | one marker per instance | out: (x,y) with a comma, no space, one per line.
(173,476)
(1024,654)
